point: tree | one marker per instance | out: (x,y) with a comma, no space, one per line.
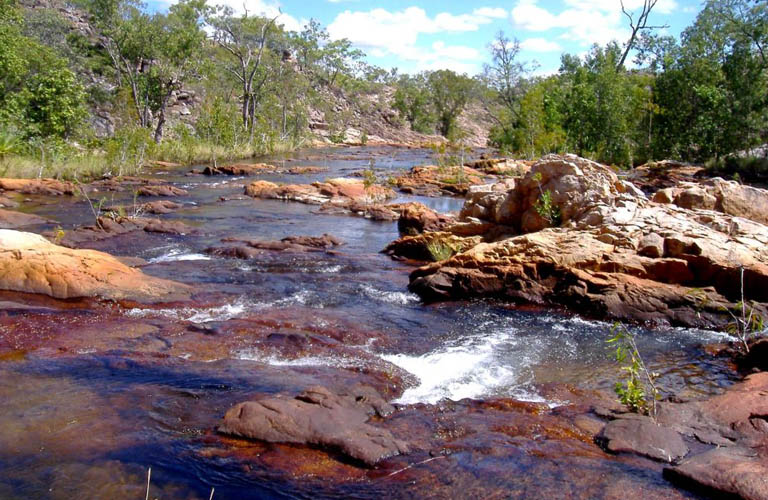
(449,94)
(412,101)
(244,40)
(636,26)
(505,77)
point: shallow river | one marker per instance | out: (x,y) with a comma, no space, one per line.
(94,394)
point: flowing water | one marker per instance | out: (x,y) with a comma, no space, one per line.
(93,394)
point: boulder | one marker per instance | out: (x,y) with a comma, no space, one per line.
(30,263)
(319,417)
(109,227)
(416,218)
(50,187)
(161,190)
(249,249)
(239,169)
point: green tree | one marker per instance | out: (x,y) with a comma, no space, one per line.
(449,93)
(412,101)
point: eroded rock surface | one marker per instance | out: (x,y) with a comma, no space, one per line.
(10,219)
(335,191)
(615,255)
(239,169)
(321,418)
(30,263)
(432,180)
(728,197)
(248,249)
(109,227)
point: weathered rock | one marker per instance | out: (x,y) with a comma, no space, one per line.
(643,437)
(339,191)
(617,255)
(161,190)
(501,166)
(50,187)
(435,181)
(656,176)
(321,418)
(10,219)
(724,471)
(728,197)
(423,246)
(109,227)
(253,248)
(239,169)
(30,263)
(417,218)
(305,170)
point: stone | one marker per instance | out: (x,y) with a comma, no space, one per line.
(321,418)
(416,218)
(239,169)
(432,180)
(10,219)
(49,187)
(161,190)
(29,263)
(651,245)
(643,437)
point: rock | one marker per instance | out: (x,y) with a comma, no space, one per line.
(659,175)
(6,202)
(643,437)
(421,246)
(651,245)
(161,190)
(50,187)
(10,219)
(29,263)
(109,227)
(416,218)
(617,255)
(305,170)
(321,418)
(338,192)
(435,181)
(501,166)
(728,197)
(254,248)
(239,169)
(724,471)
(160,207)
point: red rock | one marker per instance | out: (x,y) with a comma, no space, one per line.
(50,187)
(643,437)
(10,219)
(239,169)
(161,190)
(319,417)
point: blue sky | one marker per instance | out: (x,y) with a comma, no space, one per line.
(429,34)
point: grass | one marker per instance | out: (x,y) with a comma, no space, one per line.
(440,250)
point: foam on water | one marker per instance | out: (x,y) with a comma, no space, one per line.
(471,367)
(399,298)
(195,315)
(336,362)
(178,254)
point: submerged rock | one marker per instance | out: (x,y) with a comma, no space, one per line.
(30,263)
(109,227)
(248,249)
(10,219)
(321,418)
(239,169)
(644,437)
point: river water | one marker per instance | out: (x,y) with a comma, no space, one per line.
(93,394)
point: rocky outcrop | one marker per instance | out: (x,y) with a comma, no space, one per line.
(10,219)
(30,263)
(615,255)
(432,180)
(321,418)
(728,197)
(654,176)
(248,249)
(501,166)
(161,190)
(334,191)
(416,218)
(108,227)
(239,169)
(49,187)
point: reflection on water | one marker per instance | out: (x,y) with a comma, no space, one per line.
(92,398)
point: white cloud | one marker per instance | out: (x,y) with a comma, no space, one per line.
(540,45)
(382,32)
(583,21)
(264,8)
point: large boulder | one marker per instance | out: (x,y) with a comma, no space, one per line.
(432,180)
(30,263)
(319,417)
(340,191)
(10,219)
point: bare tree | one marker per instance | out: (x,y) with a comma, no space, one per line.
(637,25)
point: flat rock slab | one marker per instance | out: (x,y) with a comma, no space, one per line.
(10,219)
(321,418)
(724,473)
(643,437)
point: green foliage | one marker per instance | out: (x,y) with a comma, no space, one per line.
(449,94)
(746,320)
(638,391)
(412,100)
(545,207)
(440,250)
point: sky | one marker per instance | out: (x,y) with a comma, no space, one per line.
(430,34)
